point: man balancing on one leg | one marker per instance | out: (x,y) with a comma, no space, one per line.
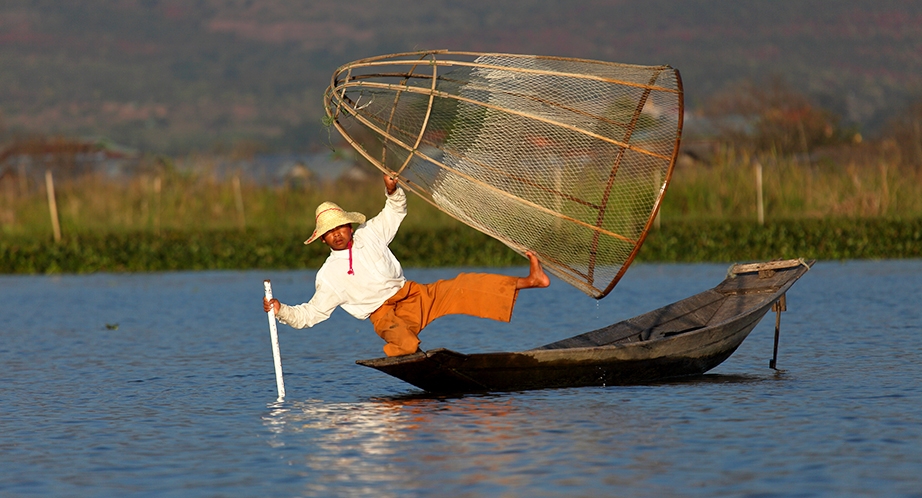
(362,276)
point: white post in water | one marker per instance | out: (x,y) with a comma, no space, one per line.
(274,334)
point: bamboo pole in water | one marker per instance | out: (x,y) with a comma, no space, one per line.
(52,206)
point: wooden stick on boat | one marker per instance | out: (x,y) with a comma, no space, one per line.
(779,306)
(274,334)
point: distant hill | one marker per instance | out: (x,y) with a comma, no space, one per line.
(179,75)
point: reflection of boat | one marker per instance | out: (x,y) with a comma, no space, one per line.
(685,338)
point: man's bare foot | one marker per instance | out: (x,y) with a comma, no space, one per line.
(536,277)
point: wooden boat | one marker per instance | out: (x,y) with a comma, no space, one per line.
(685,338)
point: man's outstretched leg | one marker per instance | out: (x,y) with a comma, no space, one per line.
(536,277)
(400,319)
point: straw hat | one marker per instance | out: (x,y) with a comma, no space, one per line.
(329,216)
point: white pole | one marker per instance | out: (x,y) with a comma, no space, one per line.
(274,334)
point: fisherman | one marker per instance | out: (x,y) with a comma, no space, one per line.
(362,276)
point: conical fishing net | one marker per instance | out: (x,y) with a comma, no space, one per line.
(567,158)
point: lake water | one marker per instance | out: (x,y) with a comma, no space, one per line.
(162,384)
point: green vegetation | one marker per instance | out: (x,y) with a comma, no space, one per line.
(703,241)
(739,241)
(233,249)
(170,220)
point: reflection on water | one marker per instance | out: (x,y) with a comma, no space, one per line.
(174,401)
(366,443)
(546,440)
(412,440)
(352,442)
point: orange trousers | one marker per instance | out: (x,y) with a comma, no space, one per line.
(400,319)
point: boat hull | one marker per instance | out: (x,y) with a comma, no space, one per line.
(684,339)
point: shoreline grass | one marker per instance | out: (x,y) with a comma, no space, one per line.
(699,241)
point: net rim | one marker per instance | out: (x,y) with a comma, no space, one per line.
(343,79)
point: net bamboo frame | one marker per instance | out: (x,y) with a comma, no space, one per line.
(567,158)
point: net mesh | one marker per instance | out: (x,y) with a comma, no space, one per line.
(568,158)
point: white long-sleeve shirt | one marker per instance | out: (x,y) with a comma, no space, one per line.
(377,273)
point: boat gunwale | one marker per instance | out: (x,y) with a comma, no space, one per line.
(772,294)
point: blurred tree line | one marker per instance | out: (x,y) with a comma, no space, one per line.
(773,117)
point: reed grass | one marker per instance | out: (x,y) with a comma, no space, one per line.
(187,202)
(861,206)
(854,185)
